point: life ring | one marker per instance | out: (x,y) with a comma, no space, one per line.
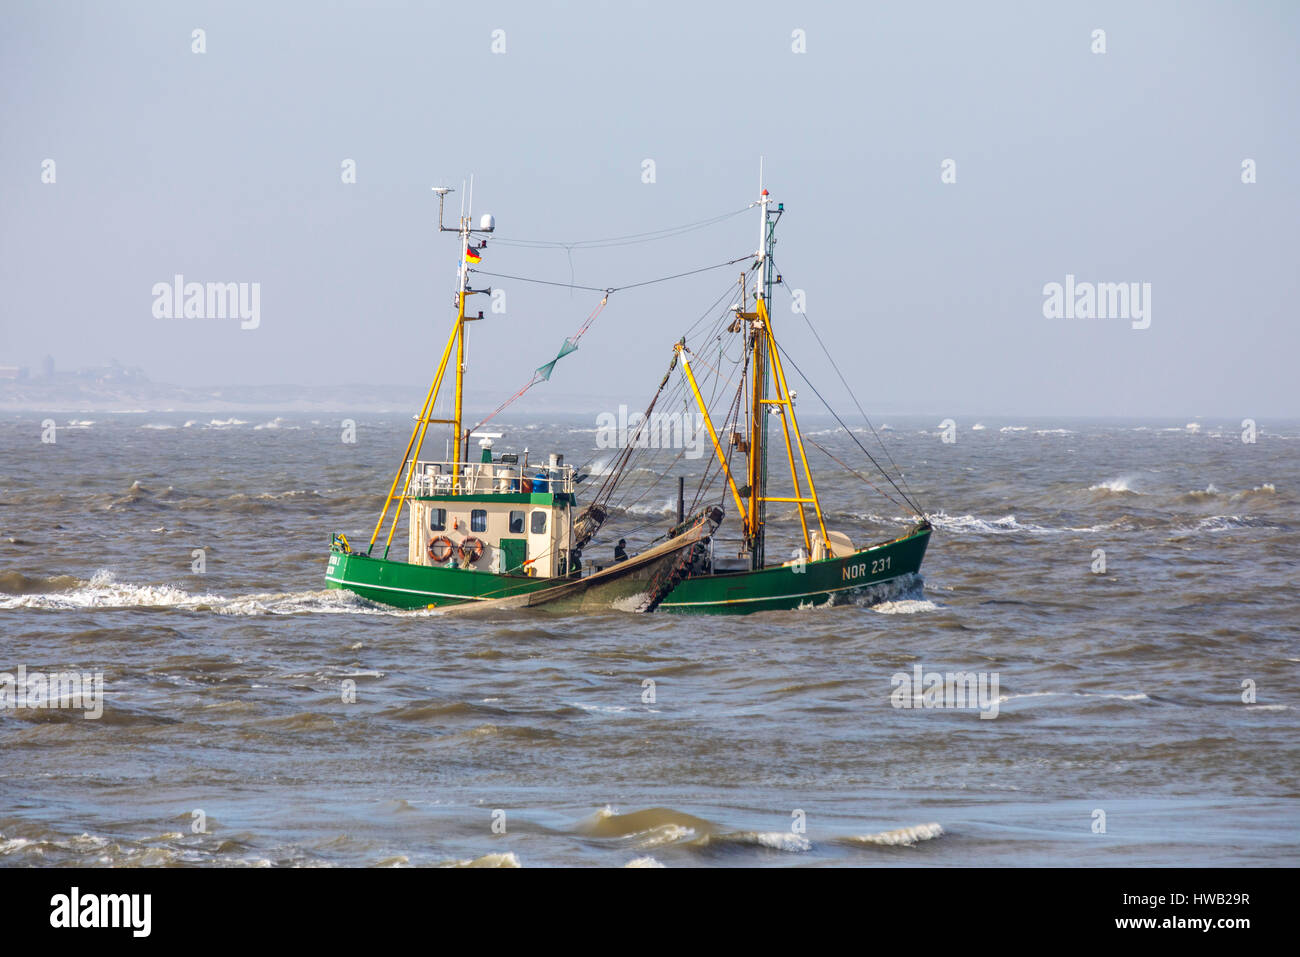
(471,549)
(440,549)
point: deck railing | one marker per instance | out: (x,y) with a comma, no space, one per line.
(487,478)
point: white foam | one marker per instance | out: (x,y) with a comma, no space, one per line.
(105,591)
(776,840)
(903,836)
(1121,484)
(1136,696)
(907,606)
(507,859)
(645,861)
(970,523)
(663,834)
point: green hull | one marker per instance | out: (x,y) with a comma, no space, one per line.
(421,586)
(828,581)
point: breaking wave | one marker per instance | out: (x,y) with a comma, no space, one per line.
(103,590)
(900,837)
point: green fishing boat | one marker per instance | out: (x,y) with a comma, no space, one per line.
(500,531)
(828,569)
(487,530)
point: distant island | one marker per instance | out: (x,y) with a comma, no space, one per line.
(115,387)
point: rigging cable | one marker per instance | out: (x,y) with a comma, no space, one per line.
(613,289)
(865,418)
(628,240)
(915,508)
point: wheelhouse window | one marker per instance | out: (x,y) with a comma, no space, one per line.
(478,520)
(539,522)
(516,523)
(437,519)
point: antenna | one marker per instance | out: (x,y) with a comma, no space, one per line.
(442,192)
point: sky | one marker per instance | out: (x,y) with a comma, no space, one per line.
(227,165)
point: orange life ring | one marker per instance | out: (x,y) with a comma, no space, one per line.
(471,549)
(440,549)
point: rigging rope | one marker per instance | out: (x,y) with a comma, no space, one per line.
(865,418)
(612,289)
(915,508)
(542,373)
(631,239)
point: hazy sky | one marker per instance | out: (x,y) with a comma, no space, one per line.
(1122,166)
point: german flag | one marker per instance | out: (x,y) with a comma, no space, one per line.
(471,255)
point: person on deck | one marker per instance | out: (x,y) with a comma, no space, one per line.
(620,551)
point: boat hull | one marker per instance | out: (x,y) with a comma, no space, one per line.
(404,585)
(829,581)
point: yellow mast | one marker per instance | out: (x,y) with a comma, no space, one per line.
(457,338)
(766,372)
(713,435)
(460,378)
(786,405)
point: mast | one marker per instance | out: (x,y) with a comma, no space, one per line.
(771,396)
(759,386)
(463,277)
(466,230)
(456,341)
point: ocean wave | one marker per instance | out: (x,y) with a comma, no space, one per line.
(1223,523)
(1123,484)
(971,523)
(1118,696)
(276,423)
(775,840)
(905,607)
(103,590)
(508,859)
(900,837)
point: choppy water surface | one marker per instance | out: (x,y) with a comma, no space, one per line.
(1119,692)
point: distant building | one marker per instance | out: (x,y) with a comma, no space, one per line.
(13,372)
